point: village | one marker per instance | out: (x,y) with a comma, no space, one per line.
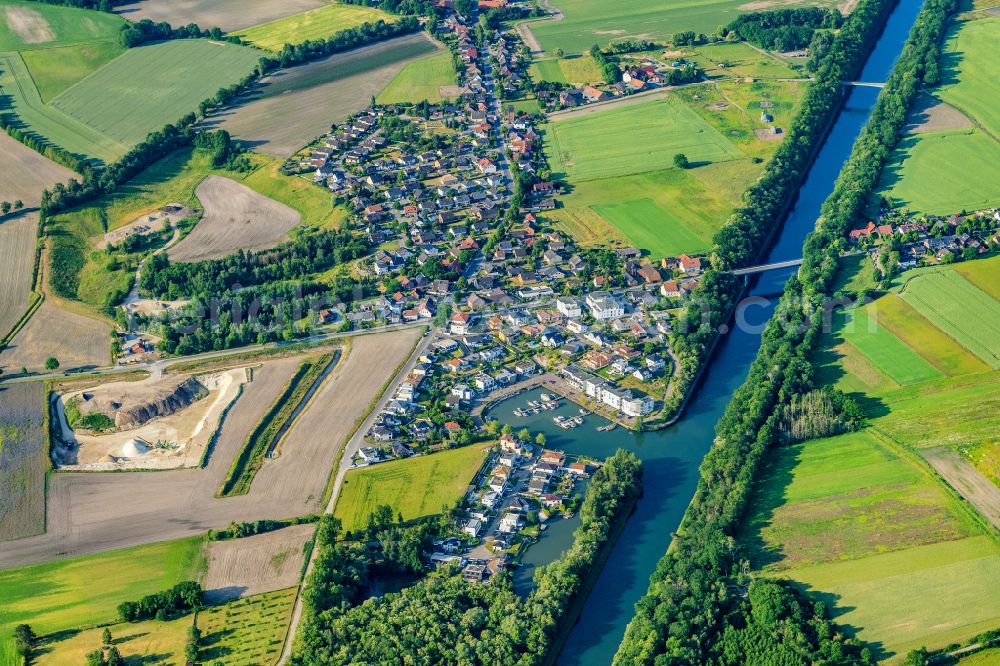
(899,241)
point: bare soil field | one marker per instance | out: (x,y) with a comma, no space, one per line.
(235,218)
(23,176)
(94,512)
(256,564)
(967,481)
(22,461)
(229,15)
(25,173)
(932,115)
(293,107)
(174,439)
(74,340)
(18,238)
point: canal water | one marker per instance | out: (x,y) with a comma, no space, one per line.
(671,456)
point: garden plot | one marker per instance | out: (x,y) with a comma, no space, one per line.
(22,461)
(236,218)
(256,564)
(72,339)
(160,423)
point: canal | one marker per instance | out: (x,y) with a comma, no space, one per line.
(672,456)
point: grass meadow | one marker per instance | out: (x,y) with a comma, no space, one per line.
(317,23)
(941,173)
(983,274)
(153,85)
(34,25)
(415,487)
(589,22)
(151,643)
(420,80)
(612,143)
(870,532)
(83,591)
(740,59)
(574,70)
(248,631)
(55,70)
(969,78)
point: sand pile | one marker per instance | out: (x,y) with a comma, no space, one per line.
(132,405)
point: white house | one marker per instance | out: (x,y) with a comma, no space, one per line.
(604,306)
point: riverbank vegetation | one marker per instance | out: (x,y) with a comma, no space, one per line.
(442,619)
(692,612)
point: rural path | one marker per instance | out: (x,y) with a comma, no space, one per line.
(524,28)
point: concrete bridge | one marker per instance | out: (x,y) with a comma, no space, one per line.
(750,270)
(864,84)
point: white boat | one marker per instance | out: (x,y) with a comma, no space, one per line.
(545,397)
(584,411)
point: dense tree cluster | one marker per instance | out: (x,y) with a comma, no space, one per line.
(409,7)
(443,620)
(178,600)
(99,5)
(609,66)
(135,34)
(695,610)
(246,529)
(783,29)
(312,49)
(632,46)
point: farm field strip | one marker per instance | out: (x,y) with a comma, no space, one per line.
(150,86)
(914,330)
(49,122)
(885,350)
(255,564)
(228,15)
(318,23)
(74,340)
(983,274)
(23,461)
(18,238)
(56,69)
(413,487)
(967,481)
(960,309)
(294,106)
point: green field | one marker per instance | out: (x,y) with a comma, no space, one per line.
(574,70)
(55,70)
(740,59)
(48,122)
(629,139)
(914,330)
(969,79)
(414,487)
(34,25)
(690,205)
(246,632)
(420,80)
(874,535)
(317,23)
(959,308)
(647,225)
(150,86)
(941,173)
(883,349)
(589,22)
(82,591)
(983,274)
